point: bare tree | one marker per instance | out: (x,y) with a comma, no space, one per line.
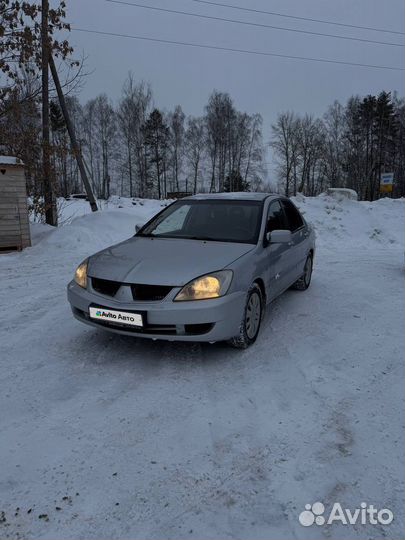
(195,145)
(133,110)
(234,144)
(334,123)
(310,148)
(104,131)
(252,152)
(220,114)
(177,131)
(285,144)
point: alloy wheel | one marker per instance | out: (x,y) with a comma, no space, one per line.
(253,315)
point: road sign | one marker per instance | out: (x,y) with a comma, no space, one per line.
(386,188)
(387,178)
(386,182)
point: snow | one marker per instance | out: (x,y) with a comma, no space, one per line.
(140,439)
(343,193)
(9,160)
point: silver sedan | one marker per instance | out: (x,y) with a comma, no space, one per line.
(203,269)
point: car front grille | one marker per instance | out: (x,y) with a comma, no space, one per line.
(150,293)
(105,286)
(140,293)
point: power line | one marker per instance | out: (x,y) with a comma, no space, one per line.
(247,23)
(296,17)
(229,49)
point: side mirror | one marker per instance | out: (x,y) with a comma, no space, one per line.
(279,237)
(138,227)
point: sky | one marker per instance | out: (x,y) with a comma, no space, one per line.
(264,84)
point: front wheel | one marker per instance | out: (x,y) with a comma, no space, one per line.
(304,282)
(252,318)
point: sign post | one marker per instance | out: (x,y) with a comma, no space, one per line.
(386,182)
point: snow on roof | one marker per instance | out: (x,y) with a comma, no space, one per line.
(10,160)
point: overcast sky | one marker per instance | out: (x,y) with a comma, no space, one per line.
(268,85)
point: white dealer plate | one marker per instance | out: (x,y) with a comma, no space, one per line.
(117,317)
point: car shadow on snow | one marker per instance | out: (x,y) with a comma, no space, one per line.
(100,347)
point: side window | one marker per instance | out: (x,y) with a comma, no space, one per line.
(294,218)
(275,217)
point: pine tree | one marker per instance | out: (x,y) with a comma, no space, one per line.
(234,182)
(156,136)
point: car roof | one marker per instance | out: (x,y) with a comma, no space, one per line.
(234,196)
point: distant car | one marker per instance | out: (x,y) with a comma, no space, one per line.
(203,269)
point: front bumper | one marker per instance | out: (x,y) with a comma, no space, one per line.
(212,320)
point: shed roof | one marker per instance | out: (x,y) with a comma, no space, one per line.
(10,160)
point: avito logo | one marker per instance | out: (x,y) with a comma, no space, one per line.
(366,514)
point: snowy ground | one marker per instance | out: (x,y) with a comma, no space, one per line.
(107,437)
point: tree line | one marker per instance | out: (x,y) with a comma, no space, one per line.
(350,147)
(132,148)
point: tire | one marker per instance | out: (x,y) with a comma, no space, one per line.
(251,321)
(304,282)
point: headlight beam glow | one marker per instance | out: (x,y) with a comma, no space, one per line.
(81,274)
(206,287)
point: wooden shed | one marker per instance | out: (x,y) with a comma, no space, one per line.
(14,224)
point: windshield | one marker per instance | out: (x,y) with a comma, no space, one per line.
(216,220)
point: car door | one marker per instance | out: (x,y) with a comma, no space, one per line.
(296,255)
(277,255)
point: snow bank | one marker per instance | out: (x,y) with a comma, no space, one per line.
(72,208)
(355,223)
(346,221)
(339,224)
(343,193)
(86,232)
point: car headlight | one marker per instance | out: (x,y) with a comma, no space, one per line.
(209,286)
(81,274)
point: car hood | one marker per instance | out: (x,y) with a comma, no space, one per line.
(163,261)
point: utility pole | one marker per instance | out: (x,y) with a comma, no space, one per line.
(51,216)
(72,135)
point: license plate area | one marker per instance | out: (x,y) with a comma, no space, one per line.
(116,317)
